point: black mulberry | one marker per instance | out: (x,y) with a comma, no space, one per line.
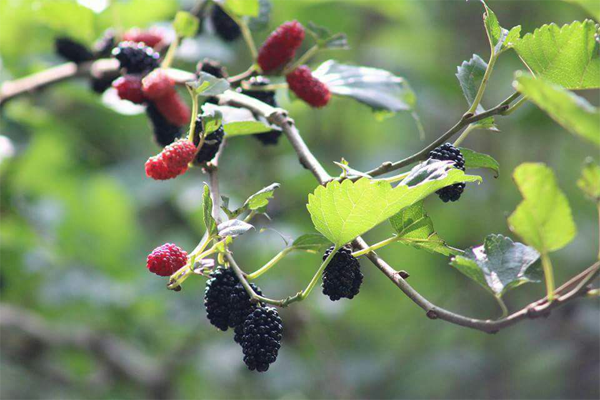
(136,57)
(267,97)
(342,277)
(224,25)
(72,50)
(261,338)
(211,144)
(226,300)
(165,132)
(448,152)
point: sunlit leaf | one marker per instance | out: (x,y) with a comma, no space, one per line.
(470,74)
(233,228)
(185,24)
(311,242)
(589,182)
(207,205)
(474,159)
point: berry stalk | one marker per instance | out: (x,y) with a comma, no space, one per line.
(549,276)
(270,264)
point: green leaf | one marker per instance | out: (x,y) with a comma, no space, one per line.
(499,264)
(568,56)
(211,118)
(137,13)
(233,228)
(239,128)
(241,121)
(415,227)
(68,18)
(543,219)
(496,34)
(379,89)
(470,74)
(185,24)
(325,39)
(243,8)
(474,159)
(261,198)
(574,113)
(589,182)
(591,6)
(208,85)
(207,205)
(343,211)
(311,242)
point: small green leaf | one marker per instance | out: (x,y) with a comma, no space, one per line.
(325,39)
(379,89)
(499,264)
(415,227)
(567,56)
(208,85)
(496,34)
(185,24)
(243,8)
(470,74)
(239,128)
(233,228)
(574,113)
(240,121)
(513,36)
(207,205)
(211,118)
(543,219)
(261,198)
(311,242)
(589,182)
(474,159)
(343,211)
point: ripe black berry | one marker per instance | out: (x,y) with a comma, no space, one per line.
(165,132)
(447,152)
(224,25)
(72,50)
(342,277)
(136,57)
(212,67)
(261,338)
(227,302)
(211,144)
(268,97)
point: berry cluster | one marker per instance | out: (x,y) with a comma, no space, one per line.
(267,97)
(280,47)
(165,260)
(136,58)
(172,161)
(448,152)
(306,86)
(257,329)
(342,277)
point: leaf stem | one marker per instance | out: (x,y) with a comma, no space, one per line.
(171,53)
(269,265)
(515,106)
(194,114)
(486,77)
(549,275)
(394,178)
(304,58)
(464,135)
(376,246)
(502,306)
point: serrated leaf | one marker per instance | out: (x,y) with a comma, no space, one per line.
(543,219)
(211,118)
(474,159)
(567,56)
(233,228)
(377,88)
(589,182)
(208,85)
(499,264)
(343,211)
(416,228)
(243,8)
(185,24)
(311,242)
(496,34)
(470,75)
(207,205)
(574,113)
(261,21)
(325,39)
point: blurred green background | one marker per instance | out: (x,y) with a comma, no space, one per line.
(78,217)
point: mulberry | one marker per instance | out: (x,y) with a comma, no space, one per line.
(225,27)
(211,144)
(342,277)
(268,97)
(72,50)
(153,37)
(302,82)
(447,152)
(136,57)
(129,87)
(164,131)
(280,47)
(261,338)
(165,260)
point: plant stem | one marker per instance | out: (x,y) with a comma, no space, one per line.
(266,88)
(304,294)
(194,114)
(502,306)
(171,53)
(250,216)
(464,135)
(269,265)
(515,106)
(486,77)
(394,178)
(304,58)
(243,75)
(376,246)
(549,276)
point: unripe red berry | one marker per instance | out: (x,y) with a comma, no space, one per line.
(152,37)
(179,154)
(302,82)
(165,260)
(172,107)
(129,87)
(157,84)
(280,47)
